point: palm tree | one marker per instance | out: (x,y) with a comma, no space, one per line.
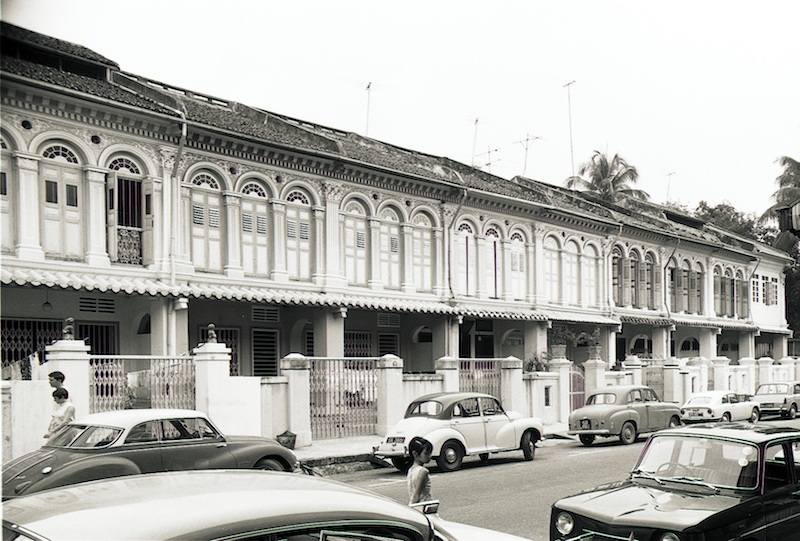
(788,187)
(607,180)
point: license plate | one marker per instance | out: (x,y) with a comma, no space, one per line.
(586,424)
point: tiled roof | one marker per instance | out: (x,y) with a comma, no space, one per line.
(47,42)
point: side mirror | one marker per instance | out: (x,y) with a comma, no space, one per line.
(430,507)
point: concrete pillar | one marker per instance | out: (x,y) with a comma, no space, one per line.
(407,263)
(296,368)
(391,401)
(720,376)
(749,365)
(512,390)
(29,245)
(747,345)
(212,369)
(279,271)
(780,345)
(71,357)
(672,383)
(634,366)
(95,214)
(764,369)
(792,364)
(595,372)
(447,367)
(374,278)
(708,343)
(329,332)
(702,365)
(660,336)
(562,367)
(535,340)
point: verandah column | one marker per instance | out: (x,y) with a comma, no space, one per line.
(391,399)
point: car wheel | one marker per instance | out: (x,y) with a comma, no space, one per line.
(484,457)
(450,457)
(528,446)
(792,412)
(586,439)
(628,433)
(402,463)
(674,421)
(755,415)
(726,417)
(269,464)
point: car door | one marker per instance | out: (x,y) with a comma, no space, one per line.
(638,410)
(192,444)
(467,421)
(739,410)
(141,446)
(494,420)
(781,491)
(658,413)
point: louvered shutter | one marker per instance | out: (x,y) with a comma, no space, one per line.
(626,281)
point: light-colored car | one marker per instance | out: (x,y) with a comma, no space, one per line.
(624,411)
(722,406)
(460,424)
(130,442)
(225,505)
(778,398)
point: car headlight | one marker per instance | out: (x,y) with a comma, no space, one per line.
(564,523)
(709,412)
(669,536)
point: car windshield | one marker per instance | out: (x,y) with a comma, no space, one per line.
(426,408)
(84,436)
(699,401)
(773,388)
(601,398)
(703,461)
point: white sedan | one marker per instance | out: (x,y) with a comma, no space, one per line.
(722,406)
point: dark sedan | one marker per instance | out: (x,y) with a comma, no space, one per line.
(136,441)
(707,482)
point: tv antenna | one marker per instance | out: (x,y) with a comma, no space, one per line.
(527,143)
(369,85)
(474,141)
(569,106)
(489,161)
(669,178)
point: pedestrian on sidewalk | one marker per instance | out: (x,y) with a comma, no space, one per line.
(419,478)
(63,412)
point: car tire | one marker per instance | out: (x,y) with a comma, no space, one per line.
(402,463)
(628,433)
(484,457)
(586,439)
(269,464)
(450,457)
(726,417)
(528,446)
(674,421)
(755,415)
(792,412)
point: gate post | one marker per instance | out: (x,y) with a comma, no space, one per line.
(512,391)
(595,374)
(633,364)
(673,388)
(720,367)
(390,386)
(749,366)
(447,367)
(764,369)
(70,357)
(563,366)
(296,368)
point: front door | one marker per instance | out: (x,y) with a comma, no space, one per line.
(638,409)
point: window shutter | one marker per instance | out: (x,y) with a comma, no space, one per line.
(616,275)
(656,287)
(111,215)
(717,295)
(692,292)
(673,292)
(642,296)
(626,281)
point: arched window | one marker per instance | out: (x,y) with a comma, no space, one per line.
(256,239)
(8,211)
(571,275)
(617,278)
(356,244)
(742,296)
(466,258)
(62,188)
(492,262)
(300,240)
(652,283)
(552,271)
(518,266)
(128,206)
(390,250)
(636,282)
(589,276)
(207,223)
(423,253)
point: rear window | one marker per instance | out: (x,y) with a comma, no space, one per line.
(699,401)
(84,437)
(601,398)
(427,408)
(773,388)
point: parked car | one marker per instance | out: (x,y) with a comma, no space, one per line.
(722,406)
(779,398)
(135,441)
(460,424)
(624,411)
(220,504)
(704,482)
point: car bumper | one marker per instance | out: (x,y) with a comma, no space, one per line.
(773,408)
(595,432)
(386,450)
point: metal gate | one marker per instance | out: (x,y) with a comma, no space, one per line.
(343,397)
(577,388)
(480,376)
(653,375)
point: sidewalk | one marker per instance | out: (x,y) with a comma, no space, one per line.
(347,454)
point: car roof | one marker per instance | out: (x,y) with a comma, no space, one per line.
(746,431)
(711,393)
(210,504)
(618,389)
(451,397)
(132,417)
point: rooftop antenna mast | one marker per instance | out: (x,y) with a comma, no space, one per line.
(489,161)
(474,140)
(527,143)
(669,178)
(369,85)
(569,106)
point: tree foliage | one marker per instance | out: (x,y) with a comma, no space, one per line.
(608,180)
(788,187)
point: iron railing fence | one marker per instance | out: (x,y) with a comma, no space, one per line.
(344,400)
(480,376)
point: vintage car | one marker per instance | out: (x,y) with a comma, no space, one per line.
(135,441)
(722,406)
(704,482)
(778,398)
(460,424)
(622,410)
(226,504)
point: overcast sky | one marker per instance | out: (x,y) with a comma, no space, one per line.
(701,97)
